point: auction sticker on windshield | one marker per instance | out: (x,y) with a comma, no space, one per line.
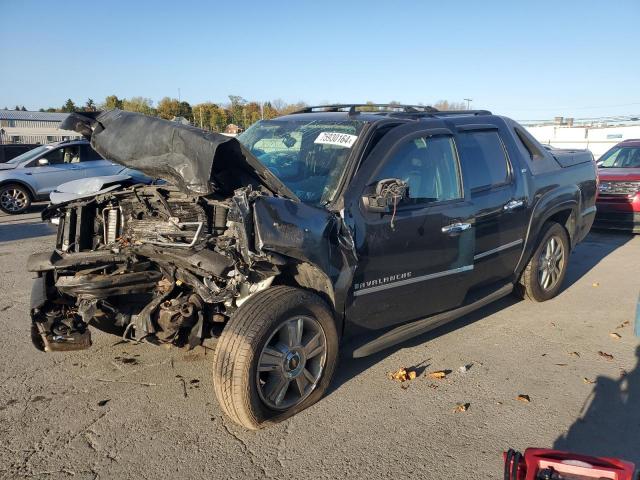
(339,139)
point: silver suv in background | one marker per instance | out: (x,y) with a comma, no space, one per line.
(35,174)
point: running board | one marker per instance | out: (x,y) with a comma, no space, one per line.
(410,330)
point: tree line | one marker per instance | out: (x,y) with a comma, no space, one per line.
(207,115)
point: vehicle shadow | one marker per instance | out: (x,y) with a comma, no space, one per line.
(593,249)
(609,422)
(586,256)
(10,232)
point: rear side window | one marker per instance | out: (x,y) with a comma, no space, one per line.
(484,160)
(89,154)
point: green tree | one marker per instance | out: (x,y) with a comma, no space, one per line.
(236,108)
(111,102)
(168,108)
(90,105)
(69,106)
(139,104)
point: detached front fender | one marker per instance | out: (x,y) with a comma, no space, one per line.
(310,235)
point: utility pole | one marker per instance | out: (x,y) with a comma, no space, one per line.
(468,100)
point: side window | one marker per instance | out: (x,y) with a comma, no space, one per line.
(484,161)
(429,165)
(89,154)
(55,156)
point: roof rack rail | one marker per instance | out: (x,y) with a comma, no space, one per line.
(353,109)
(377,107)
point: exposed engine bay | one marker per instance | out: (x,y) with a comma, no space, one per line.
(146,262)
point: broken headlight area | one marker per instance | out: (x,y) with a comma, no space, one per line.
(147,263)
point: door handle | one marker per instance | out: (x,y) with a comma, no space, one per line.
(456,228)
(513,204)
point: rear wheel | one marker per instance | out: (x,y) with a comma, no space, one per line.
(545,272)
(275,357)
(14,199)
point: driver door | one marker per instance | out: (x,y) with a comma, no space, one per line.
(416,259)
(63,165)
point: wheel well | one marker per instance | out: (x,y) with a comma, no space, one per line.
(20,183)
(308,276)
(567,219)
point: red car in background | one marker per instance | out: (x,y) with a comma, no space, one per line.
(618,201)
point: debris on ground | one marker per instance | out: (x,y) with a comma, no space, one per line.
(588,381)
(615,336)
(102,403)
(461,407)
(574,354)
(605,355)
(561,364)
(465,368)
(402,375)
(595,284)
(524,398)
(439,374)
(626,323)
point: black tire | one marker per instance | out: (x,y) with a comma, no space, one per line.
(532,282)
(14,199)
(236,379)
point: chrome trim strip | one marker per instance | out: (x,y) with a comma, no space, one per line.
(498,249)
(590,210)
(408,281)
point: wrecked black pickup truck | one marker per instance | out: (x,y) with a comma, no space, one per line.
(306,230)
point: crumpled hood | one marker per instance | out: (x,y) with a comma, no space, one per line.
(196,161)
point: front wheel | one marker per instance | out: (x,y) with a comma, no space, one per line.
(275,357)
(545,272)
(14,199)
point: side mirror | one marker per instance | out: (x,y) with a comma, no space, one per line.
(42,162)
(383,195)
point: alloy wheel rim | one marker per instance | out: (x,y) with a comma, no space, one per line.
(291,363)
(551,263)
(13,199)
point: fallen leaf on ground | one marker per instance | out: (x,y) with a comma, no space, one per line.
(524,398)
(605,355)
(587,381)
(561,364)
(402,375)
(595,284)
(574,354)
(615,336)
(439,374)
(461,407)
(624,324)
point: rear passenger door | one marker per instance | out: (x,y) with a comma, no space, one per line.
(500,210)
(94,165)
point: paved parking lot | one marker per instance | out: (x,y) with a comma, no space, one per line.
(137,411)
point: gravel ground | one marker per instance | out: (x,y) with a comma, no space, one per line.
(138,411)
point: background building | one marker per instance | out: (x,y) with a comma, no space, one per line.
(33,127)
(595,134)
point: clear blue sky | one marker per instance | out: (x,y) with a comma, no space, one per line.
(528,60)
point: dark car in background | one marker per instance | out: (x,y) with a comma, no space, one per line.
(618,200)
(9,151)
